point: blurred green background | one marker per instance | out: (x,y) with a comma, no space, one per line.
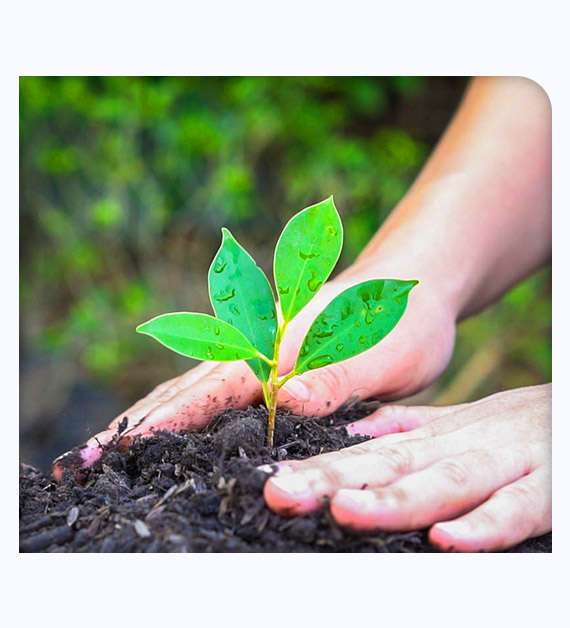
(125,183)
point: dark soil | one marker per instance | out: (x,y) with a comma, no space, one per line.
(198,492)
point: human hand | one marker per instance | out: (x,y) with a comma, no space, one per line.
(410,358)
(478,474)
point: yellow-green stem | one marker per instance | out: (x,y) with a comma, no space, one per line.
(272,407)
(273,387)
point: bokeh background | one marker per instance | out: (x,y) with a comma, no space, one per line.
(125,183)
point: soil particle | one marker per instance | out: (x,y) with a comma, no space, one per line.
(42,540)
(199,492)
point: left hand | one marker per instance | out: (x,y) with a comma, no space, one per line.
(478,474)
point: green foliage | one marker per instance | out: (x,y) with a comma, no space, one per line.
(247,325)
(126,181)
(353,322)
(241,295)
(306,254)
(199,336)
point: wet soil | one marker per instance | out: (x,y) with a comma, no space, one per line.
(199,492)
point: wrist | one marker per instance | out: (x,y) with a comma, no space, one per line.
(424,238)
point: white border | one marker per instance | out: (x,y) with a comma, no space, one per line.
(429,38)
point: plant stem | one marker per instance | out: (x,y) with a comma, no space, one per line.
(272,407)
(273,387)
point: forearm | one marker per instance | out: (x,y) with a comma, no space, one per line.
(478,218)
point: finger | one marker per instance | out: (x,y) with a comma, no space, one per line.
(321,392)
(162,393)
(172,405)
(166,390)
(227,386)
(394,419)
(517,512)
(92,450)
(445,489)
(299,487)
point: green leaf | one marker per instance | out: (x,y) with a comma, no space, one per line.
(306,253)
(199,336)
(354,321)
(241,295)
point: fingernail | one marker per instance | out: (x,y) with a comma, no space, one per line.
(61,457)
(361,428)
(298,389)
(75,461)
(275,469)
(292,484)
(352,429)
(454,529)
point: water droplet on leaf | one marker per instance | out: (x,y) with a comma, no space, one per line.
(225,296)
(345,312)
(220,266)
(306,256)
(332,231)
(323,334)
(319,361)
(314,284)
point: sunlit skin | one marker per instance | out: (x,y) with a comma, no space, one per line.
(479,471)
(476,221)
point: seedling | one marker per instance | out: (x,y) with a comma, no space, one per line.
(247,326)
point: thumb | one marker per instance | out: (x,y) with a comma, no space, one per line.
(321,392)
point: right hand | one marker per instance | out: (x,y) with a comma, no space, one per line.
(406,361)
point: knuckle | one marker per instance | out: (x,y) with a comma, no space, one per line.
(170,392)
(520,493)
(356,450)
(328,476)
(334,379)
(157,391)
(397,497)
(485,519)
(454,472)
(166,390)
(398,458)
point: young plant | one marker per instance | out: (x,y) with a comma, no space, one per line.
(246,325)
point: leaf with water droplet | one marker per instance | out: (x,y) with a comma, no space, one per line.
(199,336)
(314,282)
(353,322)
(320,361)
(226,295)
(306,254)
(310,255)
(241,296)
(219,266)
